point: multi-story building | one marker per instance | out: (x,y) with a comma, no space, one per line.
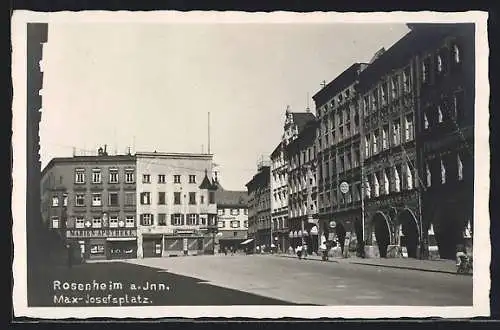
(232,218)
(279,198)
(36,38)
(338,146)
(90,200)
(176,207)
(259,208)
(302,194)
(445,132)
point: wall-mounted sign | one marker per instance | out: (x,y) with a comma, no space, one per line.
(78,233)
(344,187)
(333,224)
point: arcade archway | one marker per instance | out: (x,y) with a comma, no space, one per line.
(410,231)
(449,224)
(380,225)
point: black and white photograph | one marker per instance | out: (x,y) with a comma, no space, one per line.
(263,165)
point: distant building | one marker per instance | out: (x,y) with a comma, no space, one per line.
(339,159)
(259,208)
(176,207)
(279,197)
(302,194)
(232,218)
(90,201)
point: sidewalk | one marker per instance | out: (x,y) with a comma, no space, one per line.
(437,266)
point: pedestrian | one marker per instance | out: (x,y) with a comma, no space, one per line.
(299,251)
(225,250)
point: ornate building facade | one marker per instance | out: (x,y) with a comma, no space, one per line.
(339,160)
(279,197)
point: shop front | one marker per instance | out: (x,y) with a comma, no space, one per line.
(109,243)
(152,245)
(186,242)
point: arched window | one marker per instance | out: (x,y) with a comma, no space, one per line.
(443,172)
(456,54)
(428,174)
(460,168)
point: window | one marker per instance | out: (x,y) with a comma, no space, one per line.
(202,199)
(177,179)
(55,222)
(79,176)
(245,211)
(161,198)
(456,54)
(439,64)
(130,198)
(409,128)
(458,105)
(235,233)
(220,224)
(192,219)
(113,175)
(409,177)
(235,224)
(162,219)
(443,172)
(96,222)
(460,168)
(245,223)
(386,182)
(366,105)
(80,200)
(192,198)
(375,141)
(145,198)
(97,249)
(355,158)
(113,222)
(146,178)
(177,198)
(385,139)
(130,221)
(96,175)
(129,176)
(161,178)
(394,87)
(176,219)
(440,113)
(374,100)
(220,212)
(235,211)
(406,80)
(146,219)
(55,200)
(211,197)
(96,199)
(383,92)
(367,145)
(113,199)
(426,122)
(425,71)
(397,178)
(79,222)
(428,175)
(396,134)
(192,179)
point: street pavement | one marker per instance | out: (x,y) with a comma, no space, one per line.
(321,283)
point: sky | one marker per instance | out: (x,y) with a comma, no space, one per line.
(151,86)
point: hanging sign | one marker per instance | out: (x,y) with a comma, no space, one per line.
(333,224)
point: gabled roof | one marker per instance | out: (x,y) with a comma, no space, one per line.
(231,198)
(207,184)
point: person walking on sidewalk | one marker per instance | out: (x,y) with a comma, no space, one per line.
(299,251)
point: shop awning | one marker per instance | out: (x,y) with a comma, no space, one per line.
(246,242)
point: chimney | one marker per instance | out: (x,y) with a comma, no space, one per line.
(105,147)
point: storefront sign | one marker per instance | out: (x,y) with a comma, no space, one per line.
(78,233)
(344,187)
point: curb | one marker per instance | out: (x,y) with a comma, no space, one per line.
(386,266)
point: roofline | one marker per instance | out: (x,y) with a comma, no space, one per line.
(79,159)
(149,154)
(325,89)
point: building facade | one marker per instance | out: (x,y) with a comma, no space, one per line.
(176,207)
(259,209)
(302,194)
(445,129)
(279,198)
(232,219)
(339,160)
(90,201)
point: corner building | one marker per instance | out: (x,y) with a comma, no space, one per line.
(176,207)
(90,201)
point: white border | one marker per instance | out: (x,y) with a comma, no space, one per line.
(482,246)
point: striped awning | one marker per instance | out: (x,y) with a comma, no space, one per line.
(246,242)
